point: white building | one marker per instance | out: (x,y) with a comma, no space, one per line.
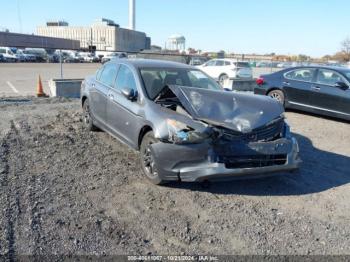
(103,34)
(176,42)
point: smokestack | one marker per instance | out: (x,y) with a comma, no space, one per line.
(132,14)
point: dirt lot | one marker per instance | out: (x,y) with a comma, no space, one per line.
(67,191)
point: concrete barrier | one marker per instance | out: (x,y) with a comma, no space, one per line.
(65,87)
(240,85)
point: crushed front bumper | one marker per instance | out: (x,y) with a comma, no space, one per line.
(199,162)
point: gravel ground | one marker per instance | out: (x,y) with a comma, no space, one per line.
(65,191)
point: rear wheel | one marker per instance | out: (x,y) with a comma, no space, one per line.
(87,119)
(277,95)
(148,164)
(222,79)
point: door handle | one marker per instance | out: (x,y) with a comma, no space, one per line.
(111,96)
(316,88)
(286,83)
(93,85)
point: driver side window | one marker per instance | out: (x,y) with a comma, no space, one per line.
(329,77)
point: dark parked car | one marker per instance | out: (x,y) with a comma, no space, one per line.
(185,125)
(2,59)
(322,90)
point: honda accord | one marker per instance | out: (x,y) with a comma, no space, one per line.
(186,127)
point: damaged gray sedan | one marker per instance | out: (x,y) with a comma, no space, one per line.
(184,125)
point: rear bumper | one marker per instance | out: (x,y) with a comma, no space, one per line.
(260,90)
(201,162)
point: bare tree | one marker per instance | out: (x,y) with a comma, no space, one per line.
(345,47)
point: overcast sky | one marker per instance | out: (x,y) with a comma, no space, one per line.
(307,27)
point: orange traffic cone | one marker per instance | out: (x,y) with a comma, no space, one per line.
(40,90)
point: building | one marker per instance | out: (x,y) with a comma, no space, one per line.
(103,34)
(176,42)
(34,41)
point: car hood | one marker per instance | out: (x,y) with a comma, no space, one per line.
(236,111)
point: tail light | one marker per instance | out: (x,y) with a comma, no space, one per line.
(260,81)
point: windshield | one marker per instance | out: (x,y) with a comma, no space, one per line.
(242,64)
(155,79)
(347,74)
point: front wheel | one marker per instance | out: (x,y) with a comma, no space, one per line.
(147,159)
(87,119)
(277,95)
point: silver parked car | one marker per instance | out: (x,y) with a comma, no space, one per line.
(185,125)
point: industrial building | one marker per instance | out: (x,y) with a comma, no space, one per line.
(103,35)
(34,41)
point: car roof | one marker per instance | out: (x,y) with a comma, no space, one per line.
(336,68)
(229,59)
(151,63)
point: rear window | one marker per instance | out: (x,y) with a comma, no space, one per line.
(305,74)
(242,64)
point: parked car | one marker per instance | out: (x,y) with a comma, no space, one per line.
(222,69)
(2,59)
(39,53)
(52,56)
(88,57)
(284,65)
(8,55)
(111,56)
(321,90)
(28,57)
(197,60)
(185,125)
(19,56)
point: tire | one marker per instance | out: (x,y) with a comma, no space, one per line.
(148,165)
(222,79)
(87,119)
(277,95)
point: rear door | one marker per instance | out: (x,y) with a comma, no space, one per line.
(328,97)
(123,114)
(105,79)
(297,85)
(209,68)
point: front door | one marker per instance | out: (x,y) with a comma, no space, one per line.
(122,113)
(326,96)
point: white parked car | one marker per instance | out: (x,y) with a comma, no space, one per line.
(88,57)
(223,69)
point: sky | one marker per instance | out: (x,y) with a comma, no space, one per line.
(311,27)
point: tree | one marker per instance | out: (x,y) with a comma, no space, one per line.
(341,57)
(303,58)
(345,48)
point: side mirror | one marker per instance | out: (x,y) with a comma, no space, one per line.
(341,85)
(129,93)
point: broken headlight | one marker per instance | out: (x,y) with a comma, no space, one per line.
(180,133)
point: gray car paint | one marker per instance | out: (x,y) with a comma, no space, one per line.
(237,111)
(126,119)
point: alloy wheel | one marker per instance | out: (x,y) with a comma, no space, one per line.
(148,161)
